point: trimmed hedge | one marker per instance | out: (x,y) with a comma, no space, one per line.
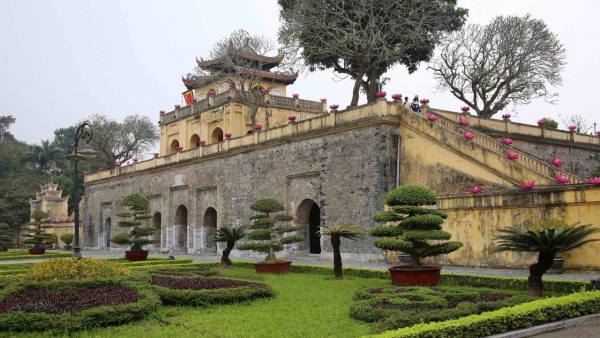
(28,256)
(95,317)
(506,319)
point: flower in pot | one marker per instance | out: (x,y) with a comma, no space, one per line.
(511,155)
(598,133)
(476,189)
(37,236)
(86,172)
(135,159)
(100,169)
(138,211)
(162,112)
(463,122)
(410,228)
(507,140)
(177,106)
(334,106)
(5,237)
(229,236)
(257,127)
(594,180)
(432,117)
(424,101)
(397,97)
(562,179)
(381,94)
(117,164)
(527,185)
(292,117)
(67,240)
(546,237)
(468,135)
(324,100)
(295,96)
(180,148)
(505,116)
(572,128)
(336,233)
(557,161)
(194,100)
(541,122)
(227,135)
(201,142)
(270,225)
(465,109)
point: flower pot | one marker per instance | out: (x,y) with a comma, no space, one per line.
(426,276)
(277,267)
(557,266)
(67,247)
(133,256)
(595,284)
(3,249)
(37,251)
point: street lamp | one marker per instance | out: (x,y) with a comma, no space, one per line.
(84,132)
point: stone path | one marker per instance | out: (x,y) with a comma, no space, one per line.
(586,330)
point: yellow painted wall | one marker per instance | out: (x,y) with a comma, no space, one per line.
(202,92)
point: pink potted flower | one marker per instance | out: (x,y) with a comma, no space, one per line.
(117,164)
(468,135)
(257,127)
(100,169)
(295,96)
(212,92)
(292,117)
(194,100)
(180,148)
(324,100)
(334,106)
(162,112)
(432,117)
(135,159)
(463,122)
(572,128)
(228,135)
(507,140)
(397,96)
(424,101)
(527,185)
(541,122)
(67,219)
(476,189)
(81,197)
(156,155)
(264,91)
(86,172)
(560,178)
(512,155)
(177,106)
(506,116)
(231,85)
(557,161)
(381,94)
(465,109)
(54,221)
(60,220)
(598,133)
(594,180)
(201,142)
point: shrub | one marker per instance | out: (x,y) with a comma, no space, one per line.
(96,314)
(73,268)
(5,237)
(37,236)
(67,239)
(138,212)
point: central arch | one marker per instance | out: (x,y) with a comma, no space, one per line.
(107,226)
(180,229)
(157,224)
(217,135)
(194,141)
(308,216)
(173,147)
(210,226)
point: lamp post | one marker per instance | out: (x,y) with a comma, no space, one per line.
(85,132)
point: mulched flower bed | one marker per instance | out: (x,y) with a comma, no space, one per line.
(198,283)
(69,301)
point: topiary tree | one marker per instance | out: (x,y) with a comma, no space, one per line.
(38,236)
(67,238)
(413,226)
(139,211)
(270,227)
(547,238)
(229,236)
(5,237)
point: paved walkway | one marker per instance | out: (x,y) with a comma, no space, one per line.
(572,275)
(586,330)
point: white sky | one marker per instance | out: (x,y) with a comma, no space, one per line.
(61,61)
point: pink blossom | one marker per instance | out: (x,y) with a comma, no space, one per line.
(295,96)
(562,179)
(594,180)
(512,155)
(507,140)
(465,109)
(506,116)
(557,161)
(424,101)
(476,189)
(292,117)
(334,106)
(463,122)
(227,135)
(381,94)
(541,122)
(571,128)
(432,117)
(469,135)
(397,96)
(527,185)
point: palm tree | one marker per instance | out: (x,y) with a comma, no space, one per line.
(352,232)
(229,236)
(547,242)
(47,156)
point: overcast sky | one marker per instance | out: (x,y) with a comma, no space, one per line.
(61,61)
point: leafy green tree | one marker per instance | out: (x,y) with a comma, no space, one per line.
(229,236)
(64,139)
(67,238)
(336,233)
(139,211)
(363,39)
(5,122)
(270,226)
(548,238)
(550,123)
(46,157)
(15,192)
(413,226)
(12,153)
(38,236)
(5,237)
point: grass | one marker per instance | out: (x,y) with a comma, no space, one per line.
(15,254)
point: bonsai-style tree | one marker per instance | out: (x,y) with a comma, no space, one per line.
(5,237)
(413,226)
(38,236)
(138,236)
(547,238)
(270,227)
(50,241)
(229,236)
(67,239)
(336,233)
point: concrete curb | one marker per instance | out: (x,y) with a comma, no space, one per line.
(534,330)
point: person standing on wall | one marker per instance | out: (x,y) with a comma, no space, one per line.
(415,105)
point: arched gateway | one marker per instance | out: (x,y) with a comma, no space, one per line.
(308,215)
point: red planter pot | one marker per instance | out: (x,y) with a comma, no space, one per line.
(133,256)
(37,251)
(273,268)
(426,276)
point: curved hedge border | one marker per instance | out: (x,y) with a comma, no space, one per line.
(214,296)
(28,256)
(86,319)
(506,319)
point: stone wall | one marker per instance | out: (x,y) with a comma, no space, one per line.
(347,173)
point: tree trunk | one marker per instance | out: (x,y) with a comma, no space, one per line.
(536,271)
(372,87)
(225,261)
(337,256)
(253,111)
(415,262)
(356,89)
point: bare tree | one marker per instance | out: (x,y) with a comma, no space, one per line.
(120,142)
(363,39)
(244,59)
(582,125)
(510,60)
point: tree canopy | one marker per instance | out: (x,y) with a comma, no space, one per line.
(363,39)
